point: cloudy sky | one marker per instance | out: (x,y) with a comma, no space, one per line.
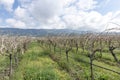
(60,14)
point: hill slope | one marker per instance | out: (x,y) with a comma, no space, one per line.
(36,32)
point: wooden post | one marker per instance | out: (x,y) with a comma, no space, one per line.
(91,68)
(111,49)
(16,58)
(10,73)
(67,56)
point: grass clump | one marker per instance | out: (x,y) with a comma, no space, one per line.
(64,65)
(34,55)
(40,74)
(44,53)
(54,57)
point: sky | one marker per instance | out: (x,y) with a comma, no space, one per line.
(60,14)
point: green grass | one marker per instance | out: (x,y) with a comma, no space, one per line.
(41,64)
(37,65)
(4,62)
(82,70)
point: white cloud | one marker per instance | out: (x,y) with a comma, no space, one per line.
(114,22)
(0,20)
(43,10)
(116,15)
(103,3)
(87,20)
(87,4)
(73,21)
(70,10)
(2,26)
(8,4)
(66,3)
(94,19)
(54,23)
(15,23)
(41,14)
(25,3)
(58,14)
(23,15)
(20,12)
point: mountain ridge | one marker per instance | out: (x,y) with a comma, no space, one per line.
(36,32)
